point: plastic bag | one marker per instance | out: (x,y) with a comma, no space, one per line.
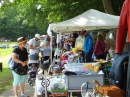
(57,86)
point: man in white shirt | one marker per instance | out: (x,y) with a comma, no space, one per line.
(34,46)
(79,41)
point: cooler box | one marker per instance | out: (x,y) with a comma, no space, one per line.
(76,67)
(74,82)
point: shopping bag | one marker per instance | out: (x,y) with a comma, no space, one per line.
(21,70)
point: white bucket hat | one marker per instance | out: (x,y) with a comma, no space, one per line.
(38,36)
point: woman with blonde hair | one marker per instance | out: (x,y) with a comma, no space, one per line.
(99,47)
(20,56)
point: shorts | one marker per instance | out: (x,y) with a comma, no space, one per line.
(18,79)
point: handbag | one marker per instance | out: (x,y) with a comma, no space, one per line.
(12,64)
(21,70)
(104,54)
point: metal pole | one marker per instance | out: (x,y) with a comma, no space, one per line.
(50,67)
(57,43)
(45,72)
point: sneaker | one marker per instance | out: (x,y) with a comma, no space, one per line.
(24,95)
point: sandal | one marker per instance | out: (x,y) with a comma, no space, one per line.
(24,95)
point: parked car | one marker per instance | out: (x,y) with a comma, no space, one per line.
(15,46)
(4,46)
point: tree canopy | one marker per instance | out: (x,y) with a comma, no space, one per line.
(27,17)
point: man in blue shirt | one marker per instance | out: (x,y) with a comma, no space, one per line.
(88,46)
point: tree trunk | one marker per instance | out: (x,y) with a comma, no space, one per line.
(108,7)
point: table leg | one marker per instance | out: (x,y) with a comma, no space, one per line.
(45,74)
(70,94)
(107,73)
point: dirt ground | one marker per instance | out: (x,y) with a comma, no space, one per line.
(4,59)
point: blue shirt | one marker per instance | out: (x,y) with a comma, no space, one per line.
(88,44)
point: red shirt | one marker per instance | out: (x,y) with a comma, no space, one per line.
(99,47)
(123,27)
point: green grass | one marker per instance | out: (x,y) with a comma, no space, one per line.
(6,78)
(10,43)
(6,51)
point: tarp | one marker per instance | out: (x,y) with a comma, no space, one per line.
(89,20)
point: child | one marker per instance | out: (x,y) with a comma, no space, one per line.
(32,70)
(33,67)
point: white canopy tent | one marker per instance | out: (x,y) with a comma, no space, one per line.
(89,20)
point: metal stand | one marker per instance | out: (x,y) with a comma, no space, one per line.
(45,74)
(44,66)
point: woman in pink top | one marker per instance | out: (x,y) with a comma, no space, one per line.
(99,47)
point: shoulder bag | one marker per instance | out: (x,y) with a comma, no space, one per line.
(17,67)
(102,50)
(12,64)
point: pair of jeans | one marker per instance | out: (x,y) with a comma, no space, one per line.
(88,56)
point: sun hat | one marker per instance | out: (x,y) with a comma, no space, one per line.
(38,36)
(21,40)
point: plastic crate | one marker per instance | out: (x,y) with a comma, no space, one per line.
(74,82)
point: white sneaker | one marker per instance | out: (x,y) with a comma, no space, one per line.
(24,95)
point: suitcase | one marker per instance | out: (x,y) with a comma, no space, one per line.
(111,90)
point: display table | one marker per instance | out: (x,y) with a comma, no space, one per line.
(39,89)
(74,82)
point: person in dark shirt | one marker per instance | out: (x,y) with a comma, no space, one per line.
(20,56)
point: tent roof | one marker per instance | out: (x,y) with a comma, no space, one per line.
(89,20)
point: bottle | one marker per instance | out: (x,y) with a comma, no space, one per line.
(107,57)
(41,60)
(93,57)
(79,59)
